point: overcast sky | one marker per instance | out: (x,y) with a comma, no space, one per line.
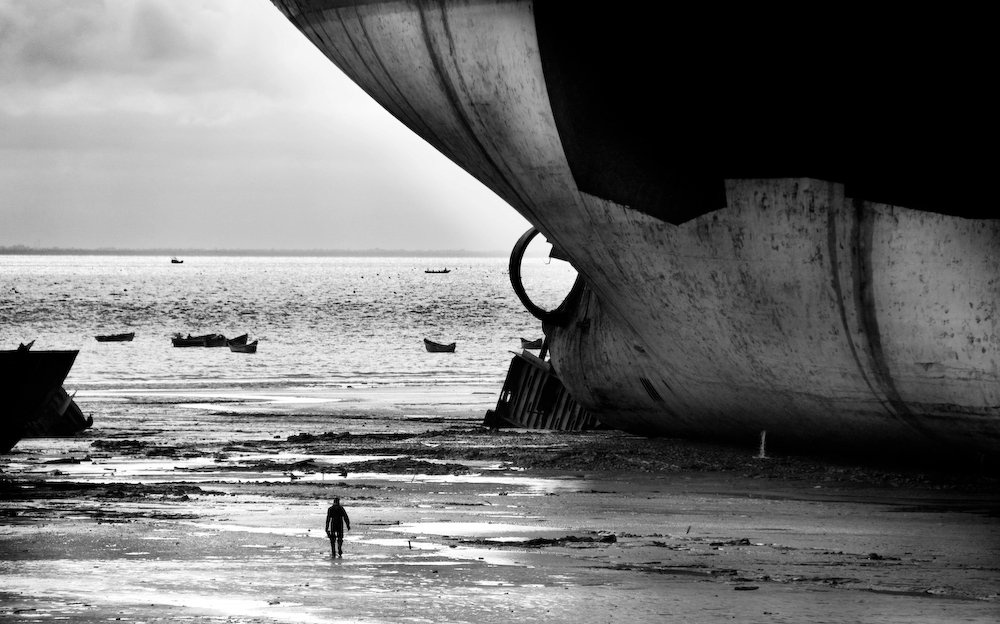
(211,124)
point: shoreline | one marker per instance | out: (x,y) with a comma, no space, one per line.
(207,513)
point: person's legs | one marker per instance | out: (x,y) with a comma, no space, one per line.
(340,543)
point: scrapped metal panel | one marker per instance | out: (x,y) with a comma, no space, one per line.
(533,397)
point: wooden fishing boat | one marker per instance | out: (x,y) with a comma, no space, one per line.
(216,340)
(206,340)
(437,271)
(243,347)
(437,347)
(239,340)
(116,337)
(531,344)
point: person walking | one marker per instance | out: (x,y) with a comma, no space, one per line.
(336,521)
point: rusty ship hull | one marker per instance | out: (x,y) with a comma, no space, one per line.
(776,228)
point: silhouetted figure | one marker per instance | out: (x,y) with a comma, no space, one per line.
(336,521)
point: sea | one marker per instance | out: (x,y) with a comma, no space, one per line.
(321,322)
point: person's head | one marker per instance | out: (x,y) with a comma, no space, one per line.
(336,500)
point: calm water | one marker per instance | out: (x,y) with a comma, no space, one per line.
(322,322)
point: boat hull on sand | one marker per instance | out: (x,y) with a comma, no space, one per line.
(28,382)
(782,242)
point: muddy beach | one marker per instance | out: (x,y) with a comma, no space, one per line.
(209,506)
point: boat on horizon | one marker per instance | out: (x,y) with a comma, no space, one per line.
(437,270)
(116,337)
(798,243)
(176,261)
(439,347)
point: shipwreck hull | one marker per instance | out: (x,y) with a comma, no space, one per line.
(765,240)
(30,381)
(828,322)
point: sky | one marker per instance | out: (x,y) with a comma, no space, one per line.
(215,124)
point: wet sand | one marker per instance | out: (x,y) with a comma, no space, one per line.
(210,507)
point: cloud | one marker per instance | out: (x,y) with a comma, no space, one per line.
(121,120)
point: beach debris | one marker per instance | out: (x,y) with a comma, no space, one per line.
(734,542)
(533,397)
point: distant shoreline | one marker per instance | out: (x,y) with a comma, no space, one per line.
(21,250)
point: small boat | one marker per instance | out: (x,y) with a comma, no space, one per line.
(176,261)
(437,347)
(116,337)
(244,347)
(216,340)
(207,340)
(190,341)
(531,344)
(437,271)
(239,340)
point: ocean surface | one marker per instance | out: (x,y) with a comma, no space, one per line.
(322,322)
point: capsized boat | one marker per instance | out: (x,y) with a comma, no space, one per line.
(777,220)
(438,347)
(29,383)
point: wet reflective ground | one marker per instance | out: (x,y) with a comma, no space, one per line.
(179,510)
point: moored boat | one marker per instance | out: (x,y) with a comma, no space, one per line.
(205,340)
(438,347)
(437,271)
(239,340)
(243,347)
(115,337)
(532,344)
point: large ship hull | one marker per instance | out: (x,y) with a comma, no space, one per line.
(32,399)
(776,231)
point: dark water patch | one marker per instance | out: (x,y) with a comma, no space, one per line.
(541,542)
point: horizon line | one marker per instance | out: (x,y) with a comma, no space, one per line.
(15,250)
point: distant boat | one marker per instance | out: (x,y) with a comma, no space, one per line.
(243,347)
(239,340)
(531,344)
(207,340)
(216,340)
(176,261)
(437,271)
(437,347)
(116,337)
